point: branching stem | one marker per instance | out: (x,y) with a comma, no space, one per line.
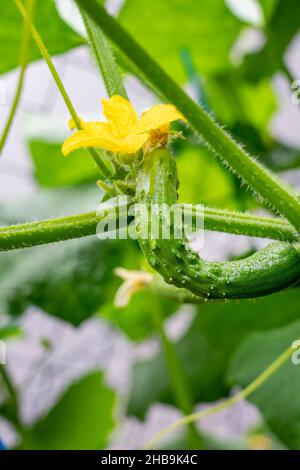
(31,234)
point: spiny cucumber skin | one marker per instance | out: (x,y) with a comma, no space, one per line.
(270,270)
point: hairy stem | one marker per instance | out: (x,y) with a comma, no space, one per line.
(240,223)
(24,54)
(31,234)
(37,38)
(104,57)
(264,182)
(252,387)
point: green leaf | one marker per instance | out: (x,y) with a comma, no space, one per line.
(268,7)
(208,346)
(281,28)
(52,169)
(70,281)
(234,100)
(216,185)
(57,35)
(278,398)
(81,420)
(165,28)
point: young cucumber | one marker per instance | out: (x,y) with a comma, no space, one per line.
(273,268)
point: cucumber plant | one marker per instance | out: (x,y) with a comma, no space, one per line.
(133,159)
(271,269)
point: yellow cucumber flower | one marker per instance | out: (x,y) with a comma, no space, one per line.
(124,132)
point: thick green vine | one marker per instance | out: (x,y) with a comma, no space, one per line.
(274,192)
(271,269)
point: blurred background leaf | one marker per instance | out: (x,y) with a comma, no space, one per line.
(207,347)
(51,169)
(70,280)
(203,179)
(281,26)
(56,34)
(82,419)
(278,398)
(207,29)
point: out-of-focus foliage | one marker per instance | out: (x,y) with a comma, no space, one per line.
(204,180)
(208,29)
(56,34)
(282,24)
(208,346)
(82,419)
(277,399)
(57,171)
(79,272)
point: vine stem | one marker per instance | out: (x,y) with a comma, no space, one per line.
(37,38)
(104,57)
(31,234)
(251,388)
(273,191)
(177,377)
(24,55)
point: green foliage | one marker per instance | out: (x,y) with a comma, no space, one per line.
(278,398)
(207,29)
(213,183)
(59,171)
(235,101)
(281,28)
(82,419)
(207,348)
(79,273)
(56,34)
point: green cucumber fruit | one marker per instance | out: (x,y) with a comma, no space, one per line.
(271,269)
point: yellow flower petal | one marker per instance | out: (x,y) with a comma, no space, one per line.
(157,116)
(90,138)
(120,114)
(123,132)
(87,125)
(133,143)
